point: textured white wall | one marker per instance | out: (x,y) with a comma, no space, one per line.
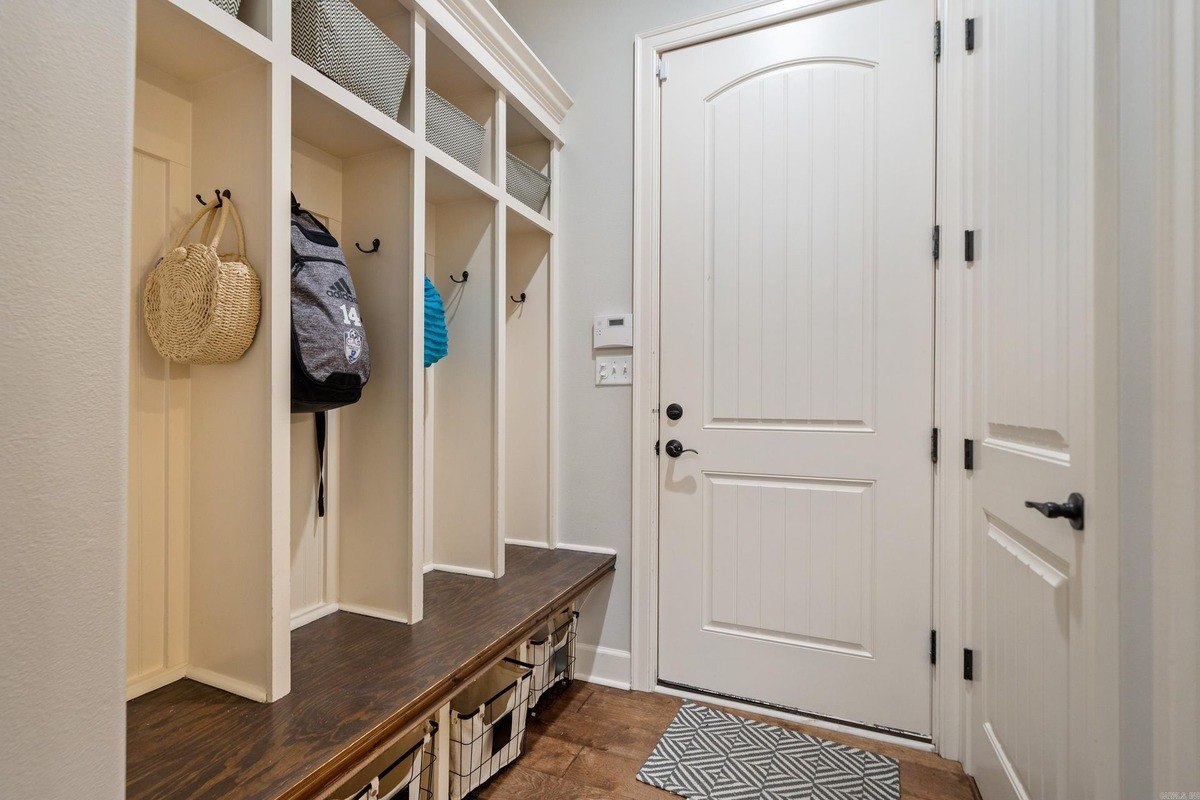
(65,148)
(588,45)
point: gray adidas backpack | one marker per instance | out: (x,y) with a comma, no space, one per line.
(330,358)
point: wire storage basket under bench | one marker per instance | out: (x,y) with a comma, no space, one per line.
(552,654)
(487,725)
(402,772)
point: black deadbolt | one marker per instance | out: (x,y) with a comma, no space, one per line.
(674,411)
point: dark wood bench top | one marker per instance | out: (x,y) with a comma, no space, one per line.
(357,682)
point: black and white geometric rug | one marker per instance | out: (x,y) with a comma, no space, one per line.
(710,755)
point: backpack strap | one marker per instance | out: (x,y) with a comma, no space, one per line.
(321,422)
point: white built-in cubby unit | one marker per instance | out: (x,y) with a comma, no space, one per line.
(434,468)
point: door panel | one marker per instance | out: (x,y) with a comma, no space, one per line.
(792,304)
(797,333)
(1032,352)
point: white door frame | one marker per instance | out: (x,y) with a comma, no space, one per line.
(951,592)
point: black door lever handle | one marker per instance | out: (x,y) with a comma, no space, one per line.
(1071,510)
(675,449)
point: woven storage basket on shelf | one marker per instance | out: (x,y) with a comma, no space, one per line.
(337,39)
(452,131)
(525,183)
(230,6)
(200,307)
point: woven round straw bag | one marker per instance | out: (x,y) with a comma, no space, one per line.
(201,307)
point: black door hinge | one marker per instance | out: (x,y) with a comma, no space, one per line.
(968,454)
(969,245)
(656,451)
(937,40)
(933,647)
(937,242)
(968,664)
(933,446)
(971,35)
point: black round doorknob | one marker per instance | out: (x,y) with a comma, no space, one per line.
(675,449)
(674,411)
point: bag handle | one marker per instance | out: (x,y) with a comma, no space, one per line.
(210,215)
(201,214)
(237,227)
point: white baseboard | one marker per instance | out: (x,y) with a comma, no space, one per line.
(602,665)
(313,614)
(587,548)
(799,719)
(474,573)
(228,684)
(158,680)
(368,611)
(528,543)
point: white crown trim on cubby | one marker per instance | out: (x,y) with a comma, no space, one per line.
(494,32)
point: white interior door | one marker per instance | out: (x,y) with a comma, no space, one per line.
(797,336)
(1032,282)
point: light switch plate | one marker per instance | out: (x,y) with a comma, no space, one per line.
(614,371)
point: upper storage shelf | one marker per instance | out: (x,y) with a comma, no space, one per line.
(529,157)
(352,75)
(460,112)
(194,40)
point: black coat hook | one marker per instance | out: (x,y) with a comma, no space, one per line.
(515,300)
(464,278)
(219,193)
(374,247)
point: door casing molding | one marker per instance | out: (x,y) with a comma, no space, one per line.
(950,401)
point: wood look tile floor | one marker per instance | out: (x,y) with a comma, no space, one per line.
(588,743)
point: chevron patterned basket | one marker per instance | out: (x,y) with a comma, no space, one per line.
(450,130)
(228,6)
(337,39)
(525,183)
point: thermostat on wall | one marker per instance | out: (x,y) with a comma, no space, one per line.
(613,331)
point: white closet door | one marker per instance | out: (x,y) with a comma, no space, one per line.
(1033,279)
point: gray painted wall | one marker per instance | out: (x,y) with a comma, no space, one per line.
(1137,234)
(588,45)
(66,140)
